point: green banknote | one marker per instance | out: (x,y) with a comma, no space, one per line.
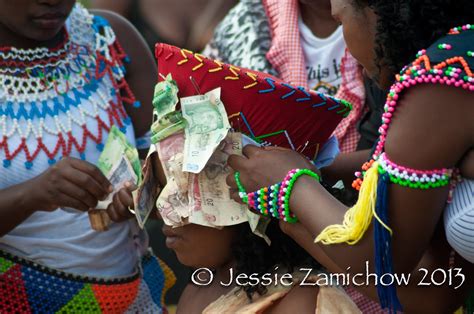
(206,126)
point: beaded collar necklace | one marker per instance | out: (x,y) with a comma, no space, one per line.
(53,92)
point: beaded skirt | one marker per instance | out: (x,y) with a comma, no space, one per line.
(26,287)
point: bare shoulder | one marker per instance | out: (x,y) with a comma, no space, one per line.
(300,299)
(431,127)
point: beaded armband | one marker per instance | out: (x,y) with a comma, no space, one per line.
(274,200)
(412,178)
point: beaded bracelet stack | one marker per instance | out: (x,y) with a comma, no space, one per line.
(274,200)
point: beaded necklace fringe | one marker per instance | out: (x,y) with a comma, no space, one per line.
(51,91)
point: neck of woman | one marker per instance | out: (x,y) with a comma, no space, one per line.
(9,38)
(317,17)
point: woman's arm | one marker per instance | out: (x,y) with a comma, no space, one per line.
(69,183)
(344,166)
(425,134)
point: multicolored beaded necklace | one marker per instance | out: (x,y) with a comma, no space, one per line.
(52,93)
(376,174)
(455,72)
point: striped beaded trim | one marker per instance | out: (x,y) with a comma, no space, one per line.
(460,29)
(69,276)
(412,178)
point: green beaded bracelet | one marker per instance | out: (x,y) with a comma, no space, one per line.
(240,186)
(286,202)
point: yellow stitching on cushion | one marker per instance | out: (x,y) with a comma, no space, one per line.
(254,78)
(219,68)
(199,58)
(184,56)
(234,71)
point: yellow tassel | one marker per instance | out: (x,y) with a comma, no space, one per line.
(459,311)
(358,218)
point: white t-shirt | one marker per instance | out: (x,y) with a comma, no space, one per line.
(323,59)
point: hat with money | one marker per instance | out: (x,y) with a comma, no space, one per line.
(261,106)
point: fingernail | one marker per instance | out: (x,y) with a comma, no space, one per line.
(111,189)
(127,184)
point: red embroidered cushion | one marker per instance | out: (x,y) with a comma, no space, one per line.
(257,104)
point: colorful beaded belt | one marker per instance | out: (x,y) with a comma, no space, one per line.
(26,287)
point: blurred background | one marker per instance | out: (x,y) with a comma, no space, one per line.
(184,23)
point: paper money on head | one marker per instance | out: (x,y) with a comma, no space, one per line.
(193,145)
(205,111)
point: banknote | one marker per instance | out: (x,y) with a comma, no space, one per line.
(207,125)
(148,191)
(217,206)
(173,201)
(207,201)
(116,147)
(166,126)
(118,175)
(165,97)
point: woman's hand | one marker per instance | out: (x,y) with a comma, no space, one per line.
(260,167)
(69,183)
(122,204)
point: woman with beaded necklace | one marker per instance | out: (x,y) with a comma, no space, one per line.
(425,49)
(65,82)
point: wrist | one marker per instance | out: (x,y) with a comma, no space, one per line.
(26,194)
(300,188)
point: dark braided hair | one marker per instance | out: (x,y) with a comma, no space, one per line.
(253,255)
(404,27)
